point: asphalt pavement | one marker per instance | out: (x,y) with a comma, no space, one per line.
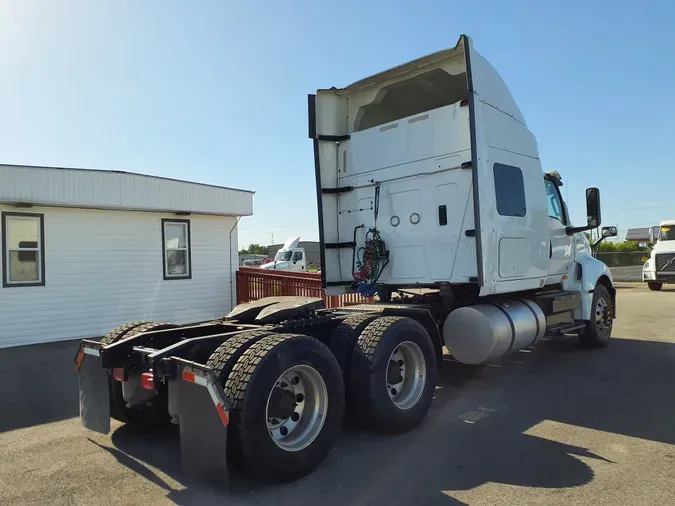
(554,425)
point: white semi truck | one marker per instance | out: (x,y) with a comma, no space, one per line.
(660,268)
(426,176)
(291,257)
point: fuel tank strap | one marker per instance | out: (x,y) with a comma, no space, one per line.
(536,320)
(513,327)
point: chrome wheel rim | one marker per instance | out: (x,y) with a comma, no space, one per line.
(603,317)
(406,375)
(296,408)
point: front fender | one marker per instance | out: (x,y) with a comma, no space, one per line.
(588,273)
(592,270)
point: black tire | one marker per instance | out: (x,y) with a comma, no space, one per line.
(226,355)
(250,445)
(118,333)
(599,328)
(153,416)
(654,286)
(367,388)
(344,337)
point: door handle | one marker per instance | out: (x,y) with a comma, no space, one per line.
(550,249)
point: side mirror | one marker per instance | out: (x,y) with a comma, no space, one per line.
(592,207)
(653,234)
(605,232)
(592,212)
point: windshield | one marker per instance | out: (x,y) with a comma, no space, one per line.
(667,233)
(283,256)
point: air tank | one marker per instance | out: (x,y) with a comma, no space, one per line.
(476,334)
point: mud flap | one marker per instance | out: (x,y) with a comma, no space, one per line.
(94,390)
(202,410)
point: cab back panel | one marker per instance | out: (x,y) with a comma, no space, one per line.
(411,152)
(416,162)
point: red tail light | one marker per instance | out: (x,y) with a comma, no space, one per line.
(119,374)
(147,381)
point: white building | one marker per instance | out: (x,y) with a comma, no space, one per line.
(84,251)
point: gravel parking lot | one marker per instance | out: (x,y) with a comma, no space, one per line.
(556,425)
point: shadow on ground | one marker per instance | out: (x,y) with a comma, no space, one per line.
(474,434)
(39,385)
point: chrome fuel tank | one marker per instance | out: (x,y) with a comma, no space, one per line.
(476,334)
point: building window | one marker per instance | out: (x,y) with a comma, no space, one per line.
(176,249)
(509,190)
(23,256)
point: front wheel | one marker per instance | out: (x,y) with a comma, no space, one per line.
(599,328)
(654,286)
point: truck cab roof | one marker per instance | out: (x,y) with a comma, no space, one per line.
(425,83)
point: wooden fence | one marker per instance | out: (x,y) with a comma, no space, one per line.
(253,284)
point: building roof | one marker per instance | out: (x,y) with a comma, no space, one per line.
(118,190)
(637,234)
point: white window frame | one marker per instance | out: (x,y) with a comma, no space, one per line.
(6,271)
(186,248)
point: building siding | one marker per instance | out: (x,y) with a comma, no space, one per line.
(104,268)
(102,189)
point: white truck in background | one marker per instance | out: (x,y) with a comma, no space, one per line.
(289,258)
(660,268)
(426,176)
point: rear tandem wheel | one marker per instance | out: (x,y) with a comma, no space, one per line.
(393,375)
(343,339)
(287,399)
(147,417)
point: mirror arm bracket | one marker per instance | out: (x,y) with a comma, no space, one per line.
(574,230)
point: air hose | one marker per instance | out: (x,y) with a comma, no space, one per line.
(367,266)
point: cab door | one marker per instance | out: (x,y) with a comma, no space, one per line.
(561,245)
(298,260)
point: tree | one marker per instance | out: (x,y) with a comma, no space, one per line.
(255,249)
(621,247)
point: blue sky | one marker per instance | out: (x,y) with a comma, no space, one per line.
(216,91)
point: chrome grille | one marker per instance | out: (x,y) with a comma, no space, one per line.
(665,262)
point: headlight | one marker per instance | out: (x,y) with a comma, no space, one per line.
(645,267)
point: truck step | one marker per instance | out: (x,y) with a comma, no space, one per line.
(559,319)
(557,302)
(568,328)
